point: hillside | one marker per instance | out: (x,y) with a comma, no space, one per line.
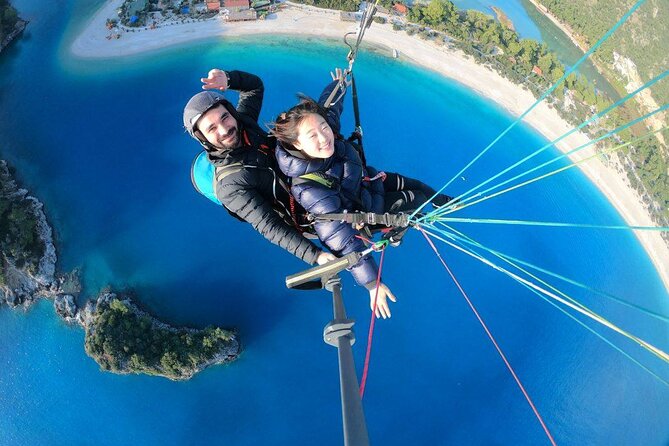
(641,41)
(632,56)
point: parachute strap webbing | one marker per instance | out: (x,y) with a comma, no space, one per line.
(356,108)
(490,336)
(357,132)
(365,22)
(400,220)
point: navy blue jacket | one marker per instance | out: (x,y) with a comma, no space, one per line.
(352,193)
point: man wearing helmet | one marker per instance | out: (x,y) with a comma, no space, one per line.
(247,180)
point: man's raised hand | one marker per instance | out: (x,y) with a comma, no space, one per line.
(216,80)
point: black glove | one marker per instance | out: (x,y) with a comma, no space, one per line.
(441,200)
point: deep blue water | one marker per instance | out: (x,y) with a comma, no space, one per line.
(101,143)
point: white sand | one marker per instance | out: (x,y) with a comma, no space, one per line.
(298,19)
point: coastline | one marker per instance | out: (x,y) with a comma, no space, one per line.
(24,281)
(19,27)
(303,20)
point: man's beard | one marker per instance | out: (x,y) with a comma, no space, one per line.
(227,143)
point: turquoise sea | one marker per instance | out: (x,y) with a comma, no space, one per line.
(101,144)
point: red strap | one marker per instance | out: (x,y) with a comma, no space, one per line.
(381,175)
(363,380)
(499,350)
(293,214)
(364,239)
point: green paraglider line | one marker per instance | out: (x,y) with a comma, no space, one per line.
(648,84)
(459,206)
(551,224)
(566,313)
(506,257)
(576,306)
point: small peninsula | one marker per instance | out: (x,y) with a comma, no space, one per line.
(124,339)
(503,18)
(120,337)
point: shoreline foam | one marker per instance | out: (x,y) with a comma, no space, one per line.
(303,20)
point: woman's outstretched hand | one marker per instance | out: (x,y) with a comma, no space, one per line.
(382,309)
(325,257)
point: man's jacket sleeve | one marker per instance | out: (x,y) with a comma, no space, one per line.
(251,91)
(238,193)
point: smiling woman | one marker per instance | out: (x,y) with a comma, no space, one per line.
(314,137)
(131,218)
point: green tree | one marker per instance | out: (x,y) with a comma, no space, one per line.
(529,49)
(514,48)
(119,306)
(9,17)
(557,72)
(545,62)
(435,12)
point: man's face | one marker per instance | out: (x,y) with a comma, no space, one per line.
(219,128)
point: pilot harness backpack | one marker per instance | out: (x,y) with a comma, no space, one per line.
(204,176)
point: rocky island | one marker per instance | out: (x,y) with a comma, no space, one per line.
(11,26)
(120,336)
(124,339)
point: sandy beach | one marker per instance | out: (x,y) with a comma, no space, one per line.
(304,20)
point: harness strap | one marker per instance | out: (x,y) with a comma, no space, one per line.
(293,214)
(381,175)
(357,133)
(246,138)
(400,220)
(224,171)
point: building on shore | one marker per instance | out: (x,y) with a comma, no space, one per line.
(346,16)
(400,9)
(213,5)
(236,5)
(241,16)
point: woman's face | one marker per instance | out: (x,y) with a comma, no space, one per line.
(315,138)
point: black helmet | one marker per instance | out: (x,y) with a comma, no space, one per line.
(199,105)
